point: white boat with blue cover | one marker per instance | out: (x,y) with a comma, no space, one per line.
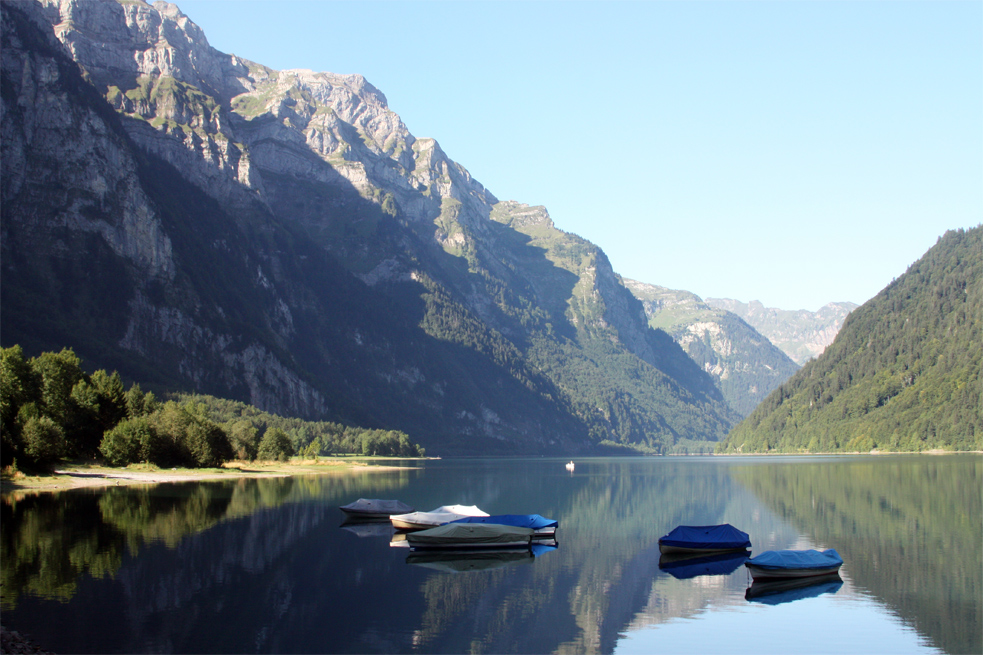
(776,564)
(704,539)
(542,527)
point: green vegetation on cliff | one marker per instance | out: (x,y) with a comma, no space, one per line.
(905,372)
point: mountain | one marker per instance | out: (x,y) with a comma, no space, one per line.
(745,365)
(903,374)
(204,223)
(800,334)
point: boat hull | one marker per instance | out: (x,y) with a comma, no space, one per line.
(790,564)
(758,573)
(682,550)
(458,536)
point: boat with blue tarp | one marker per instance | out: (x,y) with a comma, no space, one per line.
(542,527)
(704,539)
(793,564)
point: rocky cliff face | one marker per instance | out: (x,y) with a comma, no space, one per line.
(801,334)
(745,365)
(198,220)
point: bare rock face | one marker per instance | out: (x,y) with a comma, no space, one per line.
(801,334)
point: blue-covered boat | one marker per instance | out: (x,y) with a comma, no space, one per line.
(773,564)
(542,528)
(704,539)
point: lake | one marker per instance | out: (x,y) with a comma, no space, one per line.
(267,565)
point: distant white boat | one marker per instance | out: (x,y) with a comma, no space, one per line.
(570,466)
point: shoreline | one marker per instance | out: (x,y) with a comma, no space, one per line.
(78,475)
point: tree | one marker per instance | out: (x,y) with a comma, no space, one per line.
(19,384)
(44,440)
(275,445)
(59,373)
(244,439)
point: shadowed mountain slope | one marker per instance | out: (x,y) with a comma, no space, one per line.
(204,223)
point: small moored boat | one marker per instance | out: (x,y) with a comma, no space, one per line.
(471,535)
(375,508)
(570,466)
(542,527)
(704,539)
(440,516)
(773,564)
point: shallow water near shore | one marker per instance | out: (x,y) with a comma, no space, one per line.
(270,566)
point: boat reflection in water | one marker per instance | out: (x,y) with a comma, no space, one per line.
(778,591)
(368,527)
(684,566)
(463,561)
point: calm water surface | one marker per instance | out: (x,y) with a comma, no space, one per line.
(267,566)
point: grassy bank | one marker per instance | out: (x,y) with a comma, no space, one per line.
(73,475)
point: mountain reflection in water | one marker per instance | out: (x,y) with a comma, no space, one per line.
(269,566)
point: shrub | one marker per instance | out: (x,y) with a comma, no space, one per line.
(275,445)
(133,440)
(44,440)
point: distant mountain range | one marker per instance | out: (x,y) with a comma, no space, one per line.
(905,373)
(746,365)
(204,223)
(800,334)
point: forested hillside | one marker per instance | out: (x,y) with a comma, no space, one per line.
(905,372)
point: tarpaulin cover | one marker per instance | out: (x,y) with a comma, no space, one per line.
(440,516)
(470,535)
(376,506)
(534,521)
(796,559)
(708,537)
(683,568)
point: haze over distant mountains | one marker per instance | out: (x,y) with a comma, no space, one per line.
(801,334)
(746,365)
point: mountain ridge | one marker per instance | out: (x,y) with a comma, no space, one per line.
(745,364)
(801,334)
(280,237)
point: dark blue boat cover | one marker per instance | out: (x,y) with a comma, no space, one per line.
(534,521)
(797,559)
(708,537)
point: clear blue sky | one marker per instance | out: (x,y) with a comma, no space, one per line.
(796,153)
